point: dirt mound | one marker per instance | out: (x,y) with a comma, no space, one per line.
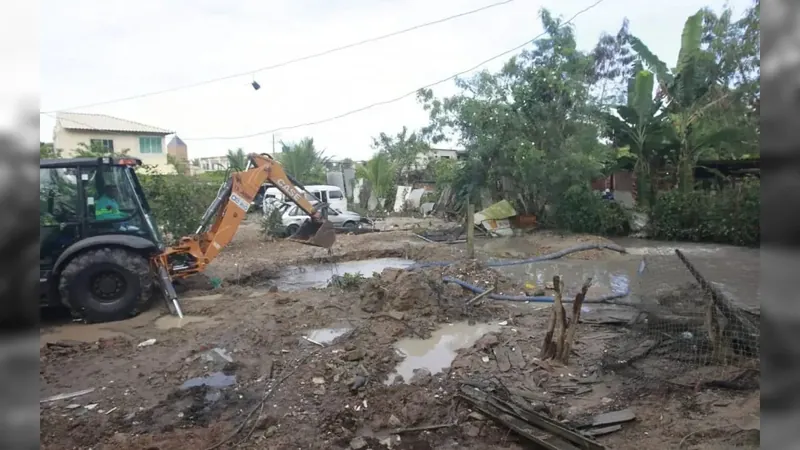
(423,292)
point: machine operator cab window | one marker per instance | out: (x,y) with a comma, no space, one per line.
(111,201)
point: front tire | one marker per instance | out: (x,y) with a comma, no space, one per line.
(350,226)
(292,229)
(106,285)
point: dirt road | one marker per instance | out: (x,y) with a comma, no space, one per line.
(272,358)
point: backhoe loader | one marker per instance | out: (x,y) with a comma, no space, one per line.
(102,254)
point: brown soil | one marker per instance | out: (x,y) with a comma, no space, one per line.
(292,393)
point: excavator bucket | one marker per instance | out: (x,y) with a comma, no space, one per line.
(316,234)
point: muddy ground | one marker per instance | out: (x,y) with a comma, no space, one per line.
(262,362)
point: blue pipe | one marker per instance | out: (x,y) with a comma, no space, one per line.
(548,257)
(534,298)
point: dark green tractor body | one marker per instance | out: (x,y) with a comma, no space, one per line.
(97,238)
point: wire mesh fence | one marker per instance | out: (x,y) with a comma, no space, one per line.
(686,332)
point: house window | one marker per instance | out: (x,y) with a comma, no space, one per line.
(150,145)
(107,145)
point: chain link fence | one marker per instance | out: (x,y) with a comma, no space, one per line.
(685,332)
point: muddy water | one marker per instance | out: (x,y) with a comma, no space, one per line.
(609,277)
(438,351)
(297,278)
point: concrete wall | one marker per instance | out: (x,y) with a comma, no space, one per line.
(68,140)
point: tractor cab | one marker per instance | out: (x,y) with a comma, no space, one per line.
(91,203)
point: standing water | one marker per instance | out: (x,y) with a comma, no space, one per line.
(297,278)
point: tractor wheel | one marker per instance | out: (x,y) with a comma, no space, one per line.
(107,284)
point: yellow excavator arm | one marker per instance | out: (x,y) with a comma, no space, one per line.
(223,217)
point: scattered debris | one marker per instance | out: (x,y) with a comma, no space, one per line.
(147,343)
(66,396)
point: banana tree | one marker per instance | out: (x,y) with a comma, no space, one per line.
(640,126)
(690,92)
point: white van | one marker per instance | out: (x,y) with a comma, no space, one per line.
(329,194)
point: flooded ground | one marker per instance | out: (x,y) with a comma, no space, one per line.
(282,361)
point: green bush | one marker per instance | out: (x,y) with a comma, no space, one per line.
(177,201)
(272,224)
(582,210)
(728,216)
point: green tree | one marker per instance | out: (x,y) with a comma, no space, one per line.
(237,160)
(530,130)
(404,150)
(378,173)
(640,127)
(47,151)
(95,150)
(303,161)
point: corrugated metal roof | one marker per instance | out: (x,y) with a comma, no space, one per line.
(101,122)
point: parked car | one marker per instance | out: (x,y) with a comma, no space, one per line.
(293,217)
(331,195)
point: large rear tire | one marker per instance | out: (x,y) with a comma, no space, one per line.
(106,285)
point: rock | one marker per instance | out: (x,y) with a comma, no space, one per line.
(487,341)
(318,380)
(320,391)
(396,315)
(395,422)
(355,355)
(358,443)
(271,431)
(421,377)
(474,415)
(471,430)
(273,289)
(357,382)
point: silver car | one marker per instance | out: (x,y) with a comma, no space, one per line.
(293,217)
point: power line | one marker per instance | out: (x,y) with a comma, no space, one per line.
(395,99)
(285,63)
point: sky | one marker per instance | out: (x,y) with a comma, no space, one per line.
(93,51)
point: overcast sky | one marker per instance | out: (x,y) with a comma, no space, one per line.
(93,51)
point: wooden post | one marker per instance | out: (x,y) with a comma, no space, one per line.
(470,229)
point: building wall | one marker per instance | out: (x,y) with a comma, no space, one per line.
(68,140)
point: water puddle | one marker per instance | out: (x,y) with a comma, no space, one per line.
(438,351)
(297,278)
(607,277)
(326,335)
(214,380)
(169,322)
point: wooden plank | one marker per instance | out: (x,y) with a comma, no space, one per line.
(525,420)
(613,418)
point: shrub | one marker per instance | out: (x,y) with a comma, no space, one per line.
(272,224)
(177,202)
(728,216)
(582,210)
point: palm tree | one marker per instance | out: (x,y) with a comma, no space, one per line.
(303,161)
(237,160)
(379,172)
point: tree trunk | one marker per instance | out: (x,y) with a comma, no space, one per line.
(685,171)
